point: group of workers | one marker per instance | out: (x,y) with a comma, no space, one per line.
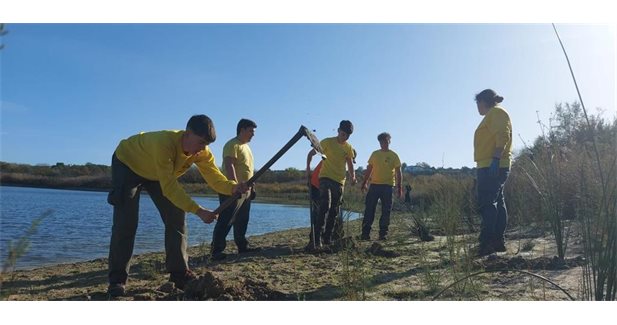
(155,161)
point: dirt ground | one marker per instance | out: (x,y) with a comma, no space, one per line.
(400,268)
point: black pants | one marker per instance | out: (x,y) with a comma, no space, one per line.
(314,210)
(338,223)
(240,224)
(330,198)
(124,196)
(492,205)
(375,193)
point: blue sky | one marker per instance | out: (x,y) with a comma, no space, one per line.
(71,92)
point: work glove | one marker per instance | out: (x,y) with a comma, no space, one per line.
(493,170)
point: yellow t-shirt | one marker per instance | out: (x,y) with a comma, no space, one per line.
(158,156)
(244,158)
(495,131)
(384,165)
(337,154)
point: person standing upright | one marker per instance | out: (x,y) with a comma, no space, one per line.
(332,177)
(237,166)
(384,173)
(492,154)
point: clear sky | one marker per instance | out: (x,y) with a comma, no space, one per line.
(71,92)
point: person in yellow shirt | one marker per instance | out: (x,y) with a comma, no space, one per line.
(384,174)
(332,177)
(154,161)
(314,193)
(493,154)
(237,166)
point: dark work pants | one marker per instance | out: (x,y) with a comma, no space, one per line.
(338,223)
(314,209)
(124,196)
(240,224)
(330,198)
(375,193)
(492,205)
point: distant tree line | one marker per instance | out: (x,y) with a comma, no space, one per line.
(88,176)
(98,177)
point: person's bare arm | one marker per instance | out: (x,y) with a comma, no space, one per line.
(309,158)
(367,177)
(230,170)
(352,172)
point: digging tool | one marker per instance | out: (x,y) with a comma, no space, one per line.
(302,132)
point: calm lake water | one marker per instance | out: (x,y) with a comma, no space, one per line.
(79,226)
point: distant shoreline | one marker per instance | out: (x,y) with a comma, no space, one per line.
(86,189)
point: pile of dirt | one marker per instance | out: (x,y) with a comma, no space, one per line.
(210,287)
(256,290)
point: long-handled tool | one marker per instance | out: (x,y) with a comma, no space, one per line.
(303,132)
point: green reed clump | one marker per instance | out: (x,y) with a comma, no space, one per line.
(356,274)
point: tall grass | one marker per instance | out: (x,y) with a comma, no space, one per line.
(450,196)
(596,208)
(547,167)
(572,171)
(451,211)
(599,221)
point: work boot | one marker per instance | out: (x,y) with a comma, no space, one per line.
(311,247)
(248,250)
(484,250)
(499,246)
(180,279)
(218,256)
(116,289)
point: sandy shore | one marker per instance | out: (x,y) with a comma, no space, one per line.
(400,268)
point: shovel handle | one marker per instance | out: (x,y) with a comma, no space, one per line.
(262,170)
